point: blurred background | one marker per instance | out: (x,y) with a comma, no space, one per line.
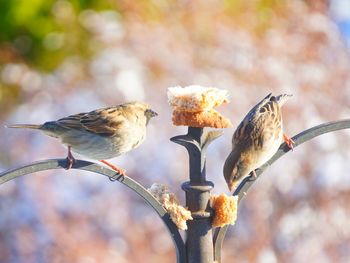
(63,57)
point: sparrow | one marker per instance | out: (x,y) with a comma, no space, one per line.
(100,134)
(256,139)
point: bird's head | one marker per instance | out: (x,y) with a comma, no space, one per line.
(141,109)
(234,170)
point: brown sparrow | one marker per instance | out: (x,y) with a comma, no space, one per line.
(256,139)
(100,134)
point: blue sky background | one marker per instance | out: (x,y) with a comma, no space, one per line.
(340,12)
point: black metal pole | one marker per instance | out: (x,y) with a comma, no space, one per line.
(199,238)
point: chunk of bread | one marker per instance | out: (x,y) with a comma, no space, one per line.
(179,214)
(193,106)
(225,210)
(210,118)
(196,98)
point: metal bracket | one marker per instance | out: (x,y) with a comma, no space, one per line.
(127,181)
(199,244)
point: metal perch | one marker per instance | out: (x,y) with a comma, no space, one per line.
(127,181)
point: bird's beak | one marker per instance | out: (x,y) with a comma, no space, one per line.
(153,113)
(232,186)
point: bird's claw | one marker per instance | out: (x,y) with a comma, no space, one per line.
(70,159)
(120,172)
(70,162)
(116,177)
(290,143)
(253,175)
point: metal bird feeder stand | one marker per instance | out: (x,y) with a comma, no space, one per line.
(201,245)
(199,240)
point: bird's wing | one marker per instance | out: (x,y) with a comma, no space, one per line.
(102,121)
(71,122)
(254,122)
(258,108)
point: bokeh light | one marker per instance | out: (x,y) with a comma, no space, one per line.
(63,57)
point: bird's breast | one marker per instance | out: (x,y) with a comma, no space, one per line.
(268,149)
(100,147)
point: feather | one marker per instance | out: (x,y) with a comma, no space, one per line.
(27,126)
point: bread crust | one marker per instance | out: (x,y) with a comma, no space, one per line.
(209,118)
(196,98)
(225,209)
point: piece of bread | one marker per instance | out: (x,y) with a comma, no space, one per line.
(210,118)
(193,106)
(178,214)
(225,210)
(196,98)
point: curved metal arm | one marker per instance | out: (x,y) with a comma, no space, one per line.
(300,138)
(127,181)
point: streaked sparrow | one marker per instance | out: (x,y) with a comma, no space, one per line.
(100,134)
(256,139)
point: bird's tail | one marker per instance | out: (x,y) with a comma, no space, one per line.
(28,126)
(281,99)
